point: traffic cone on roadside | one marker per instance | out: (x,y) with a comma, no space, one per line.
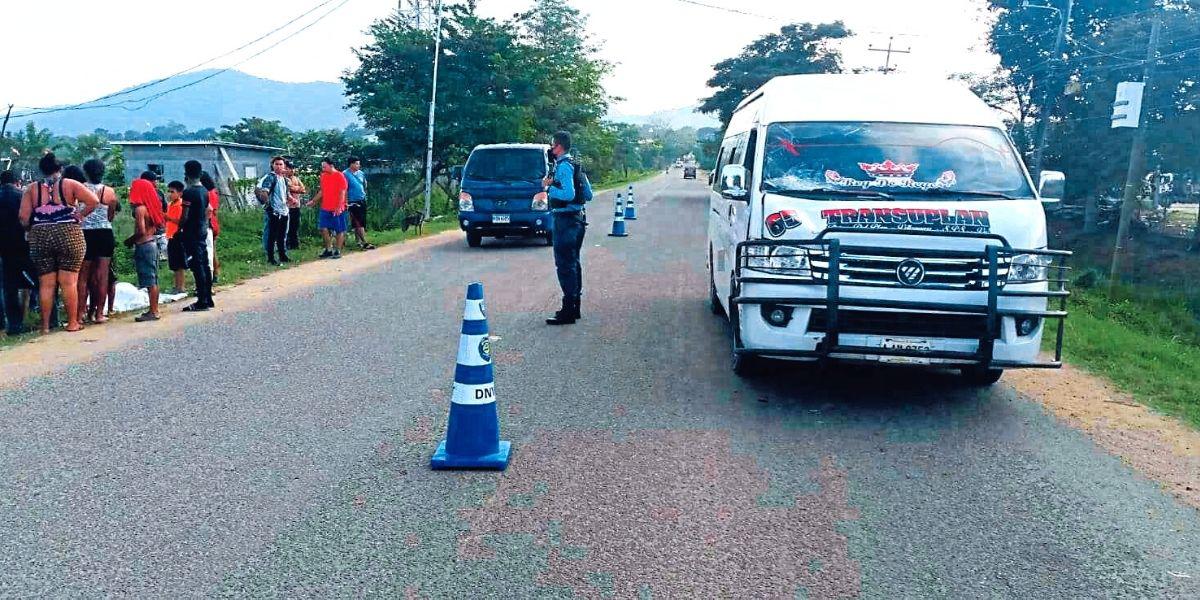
(473,435)
(618,228)
(630,208)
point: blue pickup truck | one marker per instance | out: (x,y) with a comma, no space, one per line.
(502,194)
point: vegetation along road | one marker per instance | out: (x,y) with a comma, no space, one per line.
(642,468)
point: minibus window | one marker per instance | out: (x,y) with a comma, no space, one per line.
(942,162)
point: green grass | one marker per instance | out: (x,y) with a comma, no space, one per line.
(1143,339)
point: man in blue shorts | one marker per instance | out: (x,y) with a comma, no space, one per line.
(333,203)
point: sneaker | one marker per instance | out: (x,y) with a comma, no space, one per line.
(368,246)
(273,262)
(326,254)
(336,254)
(197,307)
(148,317)
(285,258)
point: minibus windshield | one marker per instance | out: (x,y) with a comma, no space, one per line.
(938,162)
(506,164)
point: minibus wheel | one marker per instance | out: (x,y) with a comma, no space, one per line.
(980,376)
(474,240)
(744,365)
(714,301)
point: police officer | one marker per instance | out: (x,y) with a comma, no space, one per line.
(570,225)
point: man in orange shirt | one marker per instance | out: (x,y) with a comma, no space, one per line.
(332,196)
(176,260)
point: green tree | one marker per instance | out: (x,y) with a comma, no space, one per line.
(797,49)
(310,147)
(88,146)
(256,131)
(28,145)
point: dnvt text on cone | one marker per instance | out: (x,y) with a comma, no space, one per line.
(473,434)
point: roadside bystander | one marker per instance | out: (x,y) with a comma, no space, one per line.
(147,219)
(176,260)
(356,196)
(331,202)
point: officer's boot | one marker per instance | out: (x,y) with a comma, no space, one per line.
(566,315)
(575,303)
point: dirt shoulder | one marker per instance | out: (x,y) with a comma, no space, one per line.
(1157,446)
(57,351)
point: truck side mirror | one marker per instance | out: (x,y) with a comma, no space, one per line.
(1052,187)
(733,182)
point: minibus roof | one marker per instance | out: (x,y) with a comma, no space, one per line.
(870,98)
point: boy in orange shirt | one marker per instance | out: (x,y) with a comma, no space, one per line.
(176,259)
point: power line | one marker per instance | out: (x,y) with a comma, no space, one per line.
(142,103)
(729,10)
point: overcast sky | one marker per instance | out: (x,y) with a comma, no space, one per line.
(664,49)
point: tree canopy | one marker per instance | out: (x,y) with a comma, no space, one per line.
(797,49)
(499,80)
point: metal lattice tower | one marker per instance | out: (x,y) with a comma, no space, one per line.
(420,13)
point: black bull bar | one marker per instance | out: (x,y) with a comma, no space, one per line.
(997,256)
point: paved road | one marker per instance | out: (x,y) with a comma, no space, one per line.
(283,453)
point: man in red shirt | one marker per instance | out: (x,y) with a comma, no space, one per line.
(332,197)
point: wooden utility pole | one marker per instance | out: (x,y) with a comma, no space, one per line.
(1049,97)
(887,65)
(4,128)
(1137,157)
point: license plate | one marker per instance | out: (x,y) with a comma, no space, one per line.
(502,218)
(908,345)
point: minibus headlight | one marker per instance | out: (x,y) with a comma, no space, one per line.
(541,202)
(1028,268)
(780,260)
(465,202)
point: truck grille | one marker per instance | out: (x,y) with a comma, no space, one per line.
(948,270)
(902,324)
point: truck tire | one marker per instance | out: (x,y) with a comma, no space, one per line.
(474,240)
(978,376)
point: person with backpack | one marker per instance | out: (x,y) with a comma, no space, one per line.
(569,191)
(272,193)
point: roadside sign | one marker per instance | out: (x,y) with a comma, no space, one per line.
(1127,110)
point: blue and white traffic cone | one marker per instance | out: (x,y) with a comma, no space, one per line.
(473,435)
(630,208)
(618,229)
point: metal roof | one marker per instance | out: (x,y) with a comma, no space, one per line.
(201,143)
(542,147)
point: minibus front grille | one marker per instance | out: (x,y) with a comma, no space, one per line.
(909,324)
(947,270)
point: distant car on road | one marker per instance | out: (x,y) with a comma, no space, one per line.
(679,164)
(689,172)
(502,194)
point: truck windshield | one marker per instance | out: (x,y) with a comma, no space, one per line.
(940,162)
(506,164)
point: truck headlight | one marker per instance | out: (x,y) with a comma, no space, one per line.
(541,202)
(1029,268)
(465,202)
(780,260)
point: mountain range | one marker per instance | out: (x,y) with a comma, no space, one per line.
(213,98)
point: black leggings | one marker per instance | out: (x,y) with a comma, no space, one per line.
(293,230)
(276,235)
(197,255)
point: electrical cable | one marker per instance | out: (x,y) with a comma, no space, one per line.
(141,103)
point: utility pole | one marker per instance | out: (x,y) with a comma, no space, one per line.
(887,65)
(4,128)
(1137,156)
(1049,97)
(437,55)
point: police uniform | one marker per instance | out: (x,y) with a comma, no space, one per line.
(570,225)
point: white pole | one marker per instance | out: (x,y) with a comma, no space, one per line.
(437,55)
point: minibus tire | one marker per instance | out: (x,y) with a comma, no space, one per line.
(978,376)
(549,238)
(474,240)
(744,365)
(714,301)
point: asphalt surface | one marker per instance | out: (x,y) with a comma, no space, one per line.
(284,453)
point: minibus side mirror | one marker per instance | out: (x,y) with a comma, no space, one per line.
(1052,187)
(733,182)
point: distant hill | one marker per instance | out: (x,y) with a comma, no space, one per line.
(222,100)
(676,119)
